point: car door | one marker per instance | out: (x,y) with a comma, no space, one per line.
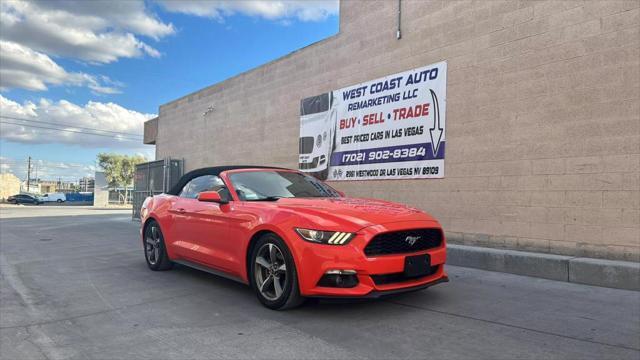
(201,228)
(25,199)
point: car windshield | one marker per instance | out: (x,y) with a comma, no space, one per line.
(306,145)
(273,185)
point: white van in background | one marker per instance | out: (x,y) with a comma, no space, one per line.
(51,197)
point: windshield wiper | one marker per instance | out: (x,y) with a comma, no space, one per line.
(269,198)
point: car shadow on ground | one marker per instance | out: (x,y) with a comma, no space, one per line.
(313,307)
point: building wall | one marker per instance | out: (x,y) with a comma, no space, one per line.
(9,185)
(150,131)
(100,190)
(543,116)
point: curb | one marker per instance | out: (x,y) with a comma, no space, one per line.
(597,272)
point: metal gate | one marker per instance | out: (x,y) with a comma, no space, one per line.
(152,178)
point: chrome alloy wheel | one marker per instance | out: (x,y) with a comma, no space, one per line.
(152,245)
(270,271)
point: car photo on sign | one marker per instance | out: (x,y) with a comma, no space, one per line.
(317,132)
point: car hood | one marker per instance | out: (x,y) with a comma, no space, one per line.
(359,212)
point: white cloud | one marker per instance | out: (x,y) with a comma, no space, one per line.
(66,115)
(130,15)
(34,33)
(303,10)
(94,31)
(25,68)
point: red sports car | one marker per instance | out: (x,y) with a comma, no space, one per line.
(291,236)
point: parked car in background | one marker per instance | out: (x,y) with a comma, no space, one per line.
(51,197)
(24,199)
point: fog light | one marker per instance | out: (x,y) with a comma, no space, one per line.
(341,272)
(339,279)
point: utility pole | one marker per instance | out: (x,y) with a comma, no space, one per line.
(28,174)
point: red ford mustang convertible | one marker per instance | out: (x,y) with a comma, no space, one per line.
(291,236)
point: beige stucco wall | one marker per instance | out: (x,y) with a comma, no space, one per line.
(9,185)
(543,116)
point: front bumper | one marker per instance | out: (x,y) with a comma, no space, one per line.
(375,294)
(314,260)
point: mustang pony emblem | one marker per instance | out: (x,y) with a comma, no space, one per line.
(411,240)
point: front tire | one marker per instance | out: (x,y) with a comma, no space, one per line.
(273,274)
(155,252)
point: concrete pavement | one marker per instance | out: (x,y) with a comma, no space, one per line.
(75,285)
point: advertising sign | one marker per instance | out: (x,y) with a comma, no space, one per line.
(388,128)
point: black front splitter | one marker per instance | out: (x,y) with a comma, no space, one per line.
(382,294)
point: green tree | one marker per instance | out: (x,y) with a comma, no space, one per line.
(120,169)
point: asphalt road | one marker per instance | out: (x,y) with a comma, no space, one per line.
(74,285)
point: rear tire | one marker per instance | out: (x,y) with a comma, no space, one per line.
(59,201)
(273,274)
(155,252)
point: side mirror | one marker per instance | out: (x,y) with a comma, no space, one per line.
(211,196)
(341,193)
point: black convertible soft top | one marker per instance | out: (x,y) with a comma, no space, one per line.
(215,170)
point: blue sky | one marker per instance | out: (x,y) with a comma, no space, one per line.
(167,50)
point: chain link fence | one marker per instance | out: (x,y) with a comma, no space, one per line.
(152,178)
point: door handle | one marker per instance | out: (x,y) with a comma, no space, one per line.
(181,210)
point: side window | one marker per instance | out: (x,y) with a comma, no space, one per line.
(202,183)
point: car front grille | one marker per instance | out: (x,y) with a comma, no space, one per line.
(400,277)
(402,242)
(312,165)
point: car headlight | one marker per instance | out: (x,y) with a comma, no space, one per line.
(325,237)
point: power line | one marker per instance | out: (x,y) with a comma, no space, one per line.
(44,169)
(43,163)
(70,125)
(62,167)
(69,130)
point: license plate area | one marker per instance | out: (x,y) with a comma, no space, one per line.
(417,265)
